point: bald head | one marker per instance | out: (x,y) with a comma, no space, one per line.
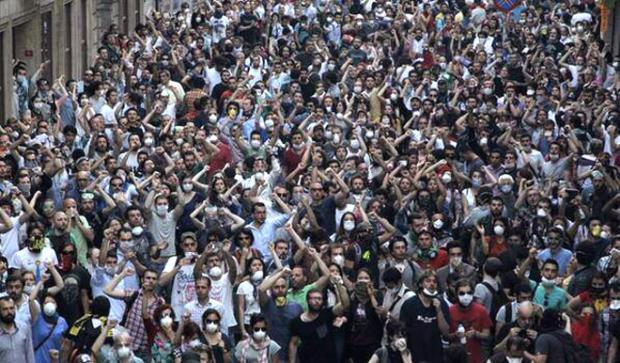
(525,309)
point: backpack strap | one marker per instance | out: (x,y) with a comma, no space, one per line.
(398,299)
(508,312)
(129,306)
(489,287)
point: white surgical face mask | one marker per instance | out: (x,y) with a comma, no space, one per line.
(255,144)
(370,134)
(331,67)
(211,327)
(148,141)
(259,335)
(328,135)
(123,352)
(215,271)
(355,144)
(438,224)
(338,260)
(28,289)
(498,230)
(348,225)
(466,299)
(545,282)
(49,309)
(429,293)
(615,305)
(257,276)
(212,118)
(446,178)
(162,210)
(506,188)
(166,321)
(357,89)
(336,138)
(187,187)
(212,139)
(541,213)
(137,231)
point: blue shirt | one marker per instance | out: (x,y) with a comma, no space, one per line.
(40,331)
(563,257)
(266,233)
(555,300)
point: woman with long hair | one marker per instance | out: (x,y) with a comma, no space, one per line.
(258,347)
(218,342)
(247,293)
(364,329)
(395,350)
(160,332)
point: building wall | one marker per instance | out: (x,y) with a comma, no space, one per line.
(65,32)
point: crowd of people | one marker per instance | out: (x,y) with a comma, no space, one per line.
(319,181)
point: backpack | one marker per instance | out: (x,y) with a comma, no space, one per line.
(573,352)
(499,299)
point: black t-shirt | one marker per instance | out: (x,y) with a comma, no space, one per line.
(552,347)
(69,302)
(317,338)
(422,329)
(83,332)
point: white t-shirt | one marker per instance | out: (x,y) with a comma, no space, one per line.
(183,286)
(163,229)
(196,310)
(108,114)
(251,302)
(98,281)
(221,291)
(9,241)
(25,259)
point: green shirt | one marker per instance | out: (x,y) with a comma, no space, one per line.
(299,296)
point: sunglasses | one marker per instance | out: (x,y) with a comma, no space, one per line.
(260,329)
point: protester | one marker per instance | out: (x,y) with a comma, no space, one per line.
(319,181)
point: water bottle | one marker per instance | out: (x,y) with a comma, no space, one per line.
(461,330)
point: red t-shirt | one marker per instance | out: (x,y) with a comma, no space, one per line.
(477,318)
(584,333)
(220,159)
(291,159)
